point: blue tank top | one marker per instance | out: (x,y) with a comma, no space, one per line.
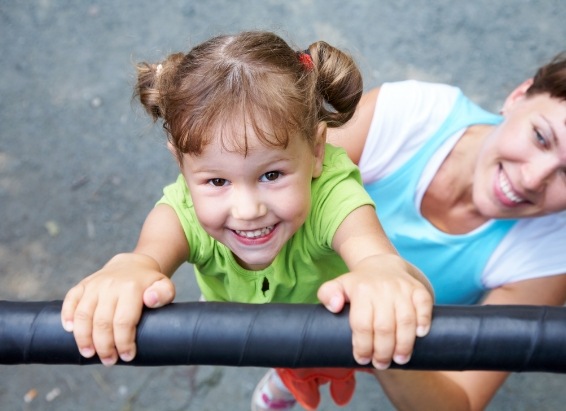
(453,263)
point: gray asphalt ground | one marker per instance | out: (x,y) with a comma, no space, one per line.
(81,165)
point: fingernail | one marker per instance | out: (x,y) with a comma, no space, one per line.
(363,361)
(422,331)
(86,352)
(108,361)
(68,326)
(401,359)
(126,356)
(381,365)
(334,303)
(152,299)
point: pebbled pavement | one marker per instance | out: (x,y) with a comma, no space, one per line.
(80,165)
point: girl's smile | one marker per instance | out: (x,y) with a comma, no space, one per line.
(250,238)
(255,234)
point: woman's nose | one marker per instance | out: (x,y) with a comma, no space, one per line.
(538,173)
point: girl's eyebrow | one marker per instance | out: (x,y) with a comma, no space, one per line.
(205,168)
(272,155)
(277,157)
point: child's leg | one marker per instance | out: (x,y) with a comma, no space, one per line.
(271,394)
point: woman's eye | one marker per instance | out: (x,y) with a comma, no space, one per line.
(270,176)
(540,138)
(218,182)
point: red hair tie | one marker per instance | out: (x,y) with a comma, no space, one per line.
(306,59)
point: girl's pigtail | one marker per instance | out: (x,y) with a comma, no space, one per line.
(147,88)
(152,83)
(339,83)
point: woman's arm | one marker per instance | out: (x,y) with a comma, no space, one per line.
(352,135)
(469,390)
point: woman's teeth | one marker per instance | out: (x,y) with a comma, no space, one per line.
(255,233)
(507,190)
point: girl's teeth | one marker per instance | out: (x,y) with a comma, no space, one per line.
(506,188)
(255,233)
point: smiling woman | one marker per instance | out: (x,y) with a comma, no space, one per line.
(474,199)
(528,152)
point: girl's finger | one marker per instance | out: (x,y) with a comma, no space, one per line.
(103,331)
(423,303)
(70,305)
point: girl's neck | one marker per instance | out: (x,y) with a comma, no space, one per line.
(448,202)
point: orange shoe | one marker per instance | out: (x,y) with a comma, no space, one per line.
(304,384)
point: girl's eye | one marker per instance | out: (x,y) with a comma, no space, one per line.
(270,176)
(218,182)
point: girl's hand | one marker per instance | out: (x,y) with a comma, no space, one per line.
(389,308)
(104,309)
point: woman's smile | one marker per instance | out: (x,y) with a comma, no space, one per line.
(506,193)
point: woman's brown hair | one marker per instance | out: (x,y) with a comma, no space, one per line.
(551,78)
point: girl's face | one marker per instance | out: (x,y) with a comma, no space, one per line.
(254,203)
(521,169)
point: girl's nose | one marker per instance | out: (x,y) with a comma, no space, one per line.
(248,205)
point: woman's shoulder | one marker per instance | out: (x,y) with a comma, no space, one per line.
(533,248)
(419,87)
(421,102)
(407,114)
(542,231)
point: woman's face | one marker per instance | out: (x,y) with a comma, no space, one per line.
(521,169)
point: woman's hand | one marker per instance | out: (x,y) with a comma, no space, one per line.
(389,308)
(103,310)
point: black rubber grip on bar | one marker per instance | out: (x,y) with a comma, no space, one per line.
(506,338)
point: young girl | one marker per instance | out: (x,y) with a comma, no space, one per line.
(263,208)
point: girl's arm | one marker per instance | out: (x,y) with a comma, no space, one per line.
(468,390)
(390,299)
(104,309)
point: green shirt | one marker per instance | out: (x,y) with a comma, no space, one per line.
(305,262)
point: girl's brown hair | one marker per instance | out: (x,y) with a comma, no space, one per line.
(252,79)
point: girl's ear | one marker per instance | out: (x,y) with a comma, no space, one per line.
(319,145)
(517,94)
(174,152)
